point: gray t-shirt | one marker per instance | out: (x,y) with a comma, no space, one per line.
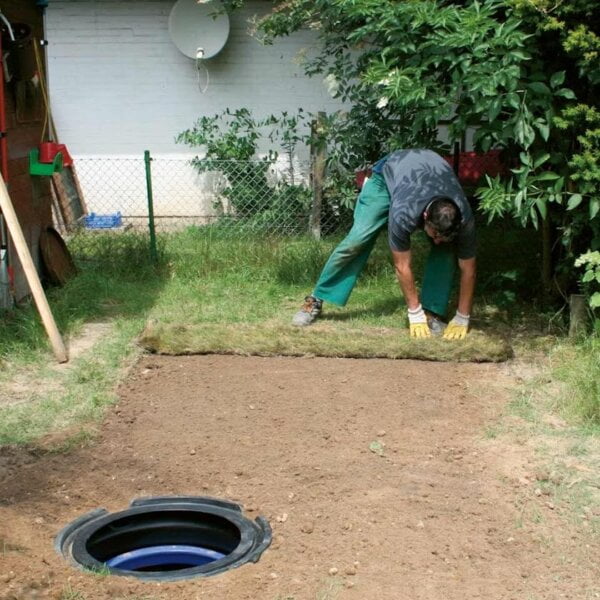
(413,178)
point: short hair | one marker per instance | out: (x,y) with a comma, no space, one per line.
(444,216)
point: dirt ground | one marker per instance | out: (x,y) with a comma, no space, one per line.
(376,476)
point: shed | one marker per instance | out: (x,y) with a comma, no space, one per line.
(22,102)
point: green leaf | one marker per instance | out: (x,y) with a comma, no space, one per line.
(557,79)
(541,206)
(533,216)
(538,162)
(528,135)
(588,276)
(547,176)
(574,201)
(520,132)
(594,207)
(565,93)
(544,129)
(520,54)
(595,300)
(519,199)
(539,88)
(495,108)
(513,100)
(558,186)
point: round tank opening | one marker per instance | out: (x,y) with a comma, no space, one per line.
(165,538)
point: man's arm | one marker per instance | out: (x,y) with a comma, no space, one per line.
(399,240)
(459,325)
(417,320)
(468,275)
(402,264)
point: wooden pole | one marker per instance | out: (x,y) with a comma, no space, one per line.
(318,156)
(31,274)
(578,315)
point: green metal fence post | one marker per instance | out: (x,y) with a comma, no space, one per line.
(153,250)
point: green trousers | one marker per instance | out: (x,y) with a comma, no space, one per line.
(342,269)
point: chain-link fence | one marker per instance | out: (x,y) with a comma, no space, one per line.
(119,197)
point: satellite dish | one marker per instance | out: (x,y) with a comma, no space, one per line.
(195,30)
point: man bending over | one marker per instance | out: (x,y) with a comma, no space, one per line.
(408,190)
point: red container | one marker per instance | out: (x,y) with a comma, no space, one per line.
(48,150)
(472,166)
(360,176)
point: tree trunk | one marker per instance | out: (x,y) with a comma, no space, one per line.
(546,261)
(578,315)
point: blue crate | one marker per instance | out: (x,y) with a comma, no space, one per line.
(94,221)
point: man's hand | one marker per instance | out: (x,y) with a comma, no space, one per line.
(417,321)
(457,328)
(419,330)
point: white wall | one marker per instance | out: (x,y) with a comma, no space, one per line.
(118,84)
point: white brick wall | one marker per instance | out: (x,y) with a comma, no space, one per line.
(119,85)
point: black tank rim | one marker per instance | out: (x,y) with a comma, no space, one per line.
(255,536)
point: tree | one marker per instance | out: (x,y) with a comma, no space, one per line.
(525,73)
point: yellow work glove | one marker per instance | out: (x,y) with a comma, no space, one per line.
(457,328)
(417,322)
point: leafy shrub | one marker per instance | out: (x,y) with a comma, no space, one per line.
(590,280)
(230,140)
(252,201)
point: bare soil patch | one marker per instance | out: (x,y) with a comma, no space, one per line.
(374,474)
(30,384)
(87,338)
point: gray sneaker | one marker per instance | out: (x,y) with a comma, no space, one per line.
(436,325)
(310,311)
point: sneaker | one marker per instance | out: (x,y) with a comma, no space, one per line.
(310,311)
(436,325)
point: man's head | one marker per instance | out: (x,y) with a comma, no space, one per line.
(442,219)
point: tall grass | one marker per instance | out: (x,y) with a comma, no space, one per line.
(216,277)
(197,254)
(37,396)
(578,367)
(98,292)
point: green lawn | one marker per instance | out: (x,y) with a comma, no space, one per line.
(226,293)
